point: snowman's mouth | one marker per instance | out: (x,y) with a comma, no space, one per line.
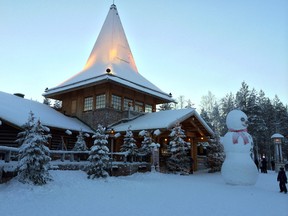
(245,124)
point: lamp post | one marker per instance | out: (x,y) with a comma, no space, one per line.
(277,141)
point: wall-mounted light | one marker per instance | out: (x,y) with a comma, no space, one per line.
(108,70)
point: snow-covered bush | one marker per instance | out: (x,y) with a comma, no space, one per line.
(178,149)
(34,161)
(129,145)
(99,155)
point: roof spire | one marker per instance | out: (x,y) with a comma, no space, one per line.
(111,58)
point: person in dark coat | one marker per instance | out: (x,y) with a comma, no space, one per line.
(264,165)
(282,178)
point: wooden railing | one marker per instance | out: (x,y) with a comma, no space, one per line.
(11,154)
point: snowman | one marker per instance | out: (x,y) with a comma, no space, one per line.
(238,167)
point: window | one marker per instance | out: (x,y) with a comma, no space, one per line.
(116,102)
(88,103)
(73,106)
(126,103)
(138,106)
(148,108)
(100,101)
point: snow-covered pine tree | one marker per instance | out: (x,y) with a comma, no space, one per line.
(34,161)
(215,155)
(178,148)
(80,144)
(165,106)
(99,155)
(146,143)
(129,145)
(27,127)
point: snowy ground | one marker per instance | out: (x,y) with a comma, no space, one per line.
(71,193)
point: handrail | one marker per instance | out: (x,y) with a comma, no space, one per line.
(7,151)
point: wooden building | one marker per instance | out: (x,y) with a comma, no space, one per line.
(108,91)
(110,83)
(14,112)
(196,129)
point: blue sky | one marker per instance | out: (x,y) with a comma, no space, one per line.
(186,47)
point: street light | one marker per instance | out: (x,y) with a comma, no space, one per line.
(277,141)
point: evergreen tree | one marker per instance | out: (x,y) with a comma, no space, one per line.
(57,104)
(146,143)
(33,154)
(215,155)
(47,101)
(165,106)
(27,127)
(179,160)
(189,104)
(242,98)
(80,144)
(129,145)
(99,155)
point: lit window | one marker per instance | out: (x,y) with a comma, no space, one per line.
(100,101)
(88,103)
(148,108)
(127,102)
(116,102)
(138,106)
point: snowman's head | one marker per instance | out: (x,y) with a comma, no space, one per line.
(236,120)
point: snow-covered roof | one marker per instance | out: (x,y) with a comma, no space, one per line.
(15,110)
(111,51)
(277,135)
(161,120)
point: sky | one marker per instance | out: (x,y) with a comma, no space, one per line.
(186,47)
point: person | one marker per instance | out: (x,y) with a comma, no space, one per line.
(273,165)
(264,165)
(282,178)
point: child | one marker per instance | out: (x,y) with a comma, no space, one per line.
(282,178)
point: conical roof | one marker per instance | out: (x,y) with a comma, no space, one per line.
(110,59)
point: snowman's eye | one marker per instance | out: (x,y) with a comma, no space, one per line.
(242,119)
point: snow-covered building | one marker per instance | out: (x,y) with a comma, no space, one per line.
(110,91)
(109,84)
(14,113)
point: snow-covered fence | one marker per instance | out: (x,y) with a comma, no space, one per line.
(70,154)
(7,152)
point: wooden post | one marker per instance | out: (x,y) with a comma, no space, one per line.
(7,156)
(71,157)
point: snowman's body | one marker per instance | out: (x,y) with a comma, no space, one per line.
(238,167)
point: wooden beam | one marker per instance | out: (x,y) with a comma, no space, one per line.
(196,126)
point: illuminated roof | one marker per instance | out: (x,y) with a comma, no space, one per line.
(110,52)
